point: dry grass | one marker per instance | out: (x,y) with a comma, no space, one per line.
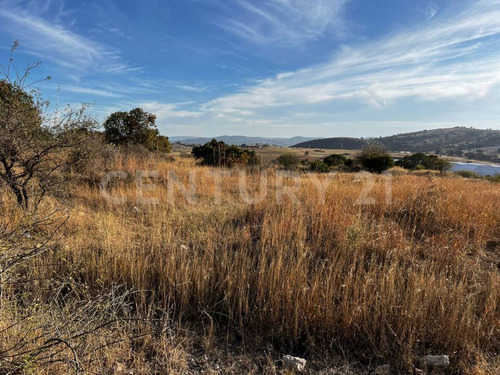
(377,283)
(268,155)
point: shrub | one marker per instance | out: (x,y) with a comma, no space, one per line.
(220,154)
(494,178)
(468,174)
(419,161)
(288,161)
(335,160)
(374,158)
(318,166)
(351,165)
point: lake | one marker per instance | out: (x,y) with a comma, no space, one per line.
(481,169)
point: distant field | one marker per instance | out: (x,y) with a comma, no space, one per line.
(270,154)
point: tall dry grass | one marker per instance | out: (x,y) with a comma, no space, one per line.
(415,272)
(413,276)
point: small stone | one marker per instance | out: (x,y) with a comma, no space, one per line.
(436,360)
(294,363)
(383,370)
(120,369)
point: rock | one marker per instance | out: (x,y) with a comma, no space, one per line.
(435,360)
(120,369)
(135,209)
(294,363)
(27,235)
(383,370)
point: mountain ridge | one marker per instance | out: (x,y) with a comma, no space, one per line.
(241,139)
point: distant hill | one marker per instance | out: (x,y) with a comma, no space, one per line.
(458,138)
(334,143)
(240,139)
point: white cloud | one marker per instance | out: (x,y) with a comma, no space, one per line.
(452,57)
(56,43)
(165,111)
(282,22)
(190,88)
(442,60)
(91,91)
(431,13)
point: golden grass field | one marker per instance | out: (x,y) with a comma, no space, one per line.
(223,286)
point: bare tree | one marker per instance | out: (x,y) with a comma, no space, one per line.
(37,147)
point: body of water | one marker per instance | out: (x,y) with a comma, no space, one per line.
(481,169)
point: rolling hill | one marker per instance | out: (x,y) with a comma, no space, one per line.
(458,138)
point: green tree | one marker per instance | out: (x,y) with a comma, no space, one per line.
(443,165)
(413,161)
(420,160)
(219,154)
(135,127)
(374,158)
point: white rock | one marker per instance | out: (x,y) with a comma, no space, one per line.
(294,363)
(436,360)
(120,369)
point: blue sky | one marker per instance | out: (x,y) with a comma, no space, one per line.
(268,67)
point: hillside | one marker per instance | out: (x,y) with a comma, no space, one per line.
(458,138)
(444,139)
(338,143)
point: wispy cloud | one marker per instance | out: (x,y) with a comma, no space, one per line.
(162,111)
(447,61)
(168,110)
(443,59)
(53,42)
(282,22)
(453,56)
(431,12)
(91,91)
(190,88)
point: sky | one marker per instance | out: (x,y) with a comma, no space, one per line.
(316,68)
